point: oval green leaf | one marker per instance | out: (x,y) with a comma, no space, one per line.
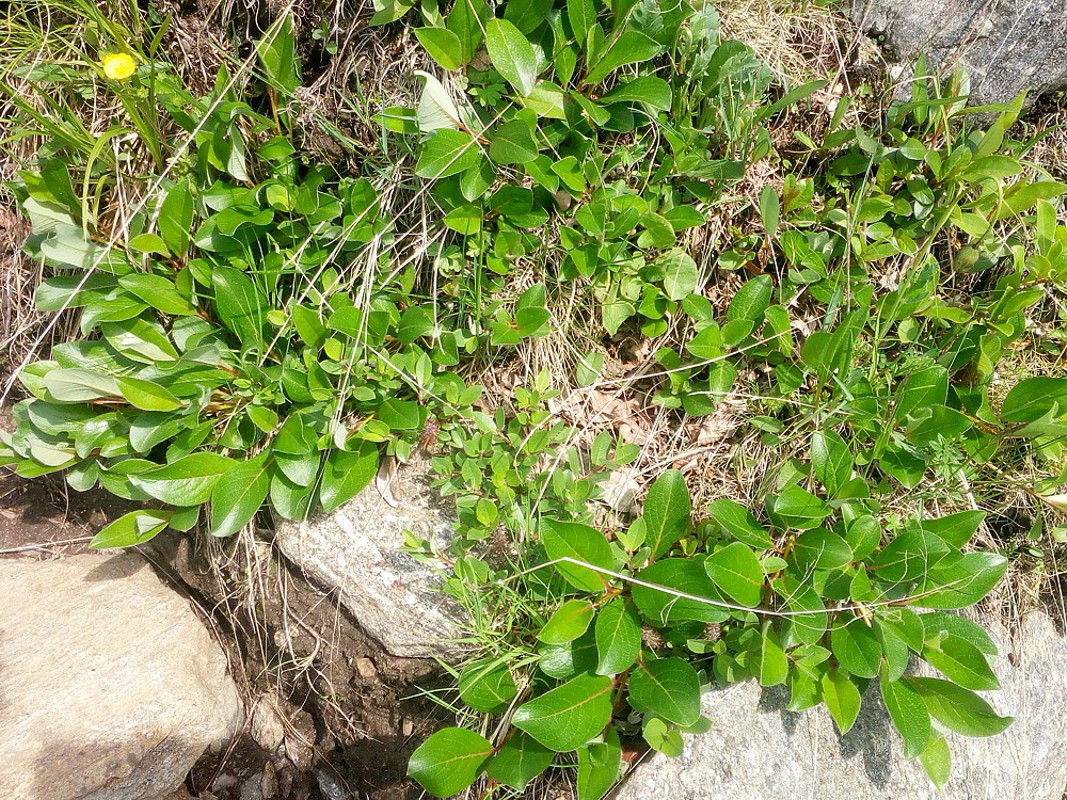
(668,688)
(568,716)
(449,761)
(618,638)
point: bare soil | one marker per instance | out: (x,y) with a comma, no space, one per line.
(43,518)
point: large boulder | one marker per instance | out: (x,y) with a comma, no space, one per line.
(1006,46)
(357,550)
(759,751)
(110,685)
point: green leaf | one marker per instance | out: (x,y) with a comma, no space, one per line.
(808,627)
(70,291)
(186,482)
(1033,398)
(146,395)
(677,576)
(582,16)
(466,220)
(449,761)
(598,766)
(570,621)
(668,688)
(565,661)
(909,555)
(148,243)
(751,300)
(959,709)
(994,166)
(80,385)
(467,20)
(149,429)
(521,759)
(570,172)
(596,113)
(238,494)
(680,273)
(924,387)
(856,647)
(289,498)
(139,340)
(937,760)
(647,89)
(546,100)
(629,48)
(531,315)
(910,717)
(770,210)
(821,549)
(512,55)
(737,572)
(582,543)
(905,625)
(863,535)
(666,512)
(401,415)
(487,685)
(662,737)
(831,460)
(416,321)
(568,716)
(618,638)
(1023,195)
(443,46)
(962,582)
(277,53)
(658,233)
(134,528)
(960,661)
(513,143)
(935,623)
(928,424)
(894,646)
(955,529)
(158,292)
(740,523)
(797,508)
(346,474)
(773,663)
(448,152)
(176,218)
(842,698)
(309,325)
(240,305)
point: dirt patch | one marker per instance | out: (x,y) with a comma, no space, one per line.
(44,518)
(350,714)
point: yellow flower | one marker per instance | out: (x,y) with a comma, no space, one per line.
(118,66)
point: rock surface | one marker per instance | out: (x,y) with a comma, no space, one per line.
(357,551)
(757,750)
(110,686)
(1006,46)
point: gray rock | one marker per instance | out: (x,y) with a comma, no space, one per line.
(758,751)
(266,724)
(1006,46)
(357,551)
(110,686)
